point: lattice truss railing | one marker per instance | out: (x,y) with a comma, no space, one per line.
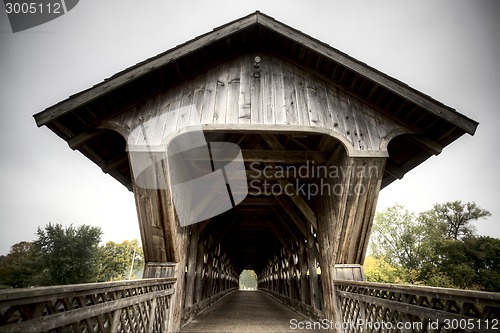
(377,307)
(125,306)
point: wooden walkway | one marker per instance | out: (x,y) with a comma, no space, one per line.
(246,311)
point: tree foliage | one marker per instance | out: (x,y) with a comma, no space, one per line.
(378,270)
(120,261)
(18,267)
(438,247)
(453,219)
(397,238)
(67,255)
(471,263)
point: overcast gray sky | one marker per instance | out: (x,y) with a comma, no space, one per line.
(447,49)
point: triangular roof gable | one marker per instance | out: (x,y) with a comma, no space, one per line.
(265,22)
(77,118)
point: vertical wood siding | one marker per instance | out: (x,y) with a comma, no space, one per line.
(276,93)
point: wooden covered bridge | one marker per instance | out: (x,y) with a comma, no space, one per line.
(317,134)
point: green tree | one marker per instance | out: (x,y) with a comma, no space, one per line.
(439,248)
(397,237)
(67,255)
(450,233)
(471,263)
(18,267)
(378,270)
(118,260)
(453,219)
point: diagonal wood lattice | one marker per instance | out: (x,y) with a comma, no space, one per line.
(126,306)
(376,307)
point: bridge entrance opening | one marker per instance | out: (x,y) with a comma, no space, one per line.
(248,280)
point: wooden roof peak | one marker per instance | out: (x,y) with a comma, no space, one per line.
(239,27)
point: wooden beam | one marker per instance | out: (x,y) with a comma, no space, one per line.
(295,219)
(278,233)
(82,138)
(272,141)
(114,163)
(255,201)
(393,170)
(301,204)
(279,156)
(292,229)
(230,225)
(429,145)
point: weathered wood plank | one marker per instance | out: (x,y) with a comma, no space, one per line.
(244,101)
(256,98)
(335,110)
(314,107)
(347,118)
(292,117)
(301,99)
(268,97)
(279,92)
(233,94)
(208,106)
(322,101)
(221,96)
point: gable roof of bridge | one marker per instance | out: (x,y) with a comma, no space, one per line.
(77,118)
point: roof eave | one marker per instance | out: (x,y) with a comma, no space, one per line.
(434,107)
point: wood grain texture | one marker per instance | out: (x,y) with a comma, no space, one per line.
(276,93)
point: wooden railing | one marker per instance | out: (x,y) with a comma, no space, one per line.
(125,306)
(377,307)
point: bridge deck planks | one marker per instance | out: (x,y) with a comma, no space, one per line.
(246,311)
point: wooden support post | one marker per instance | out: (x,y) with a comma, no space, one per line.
(313,274)
(210,267)
(304,284)
(291,287)
(344,221)
(163,239)
(191,267)
(199,272)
